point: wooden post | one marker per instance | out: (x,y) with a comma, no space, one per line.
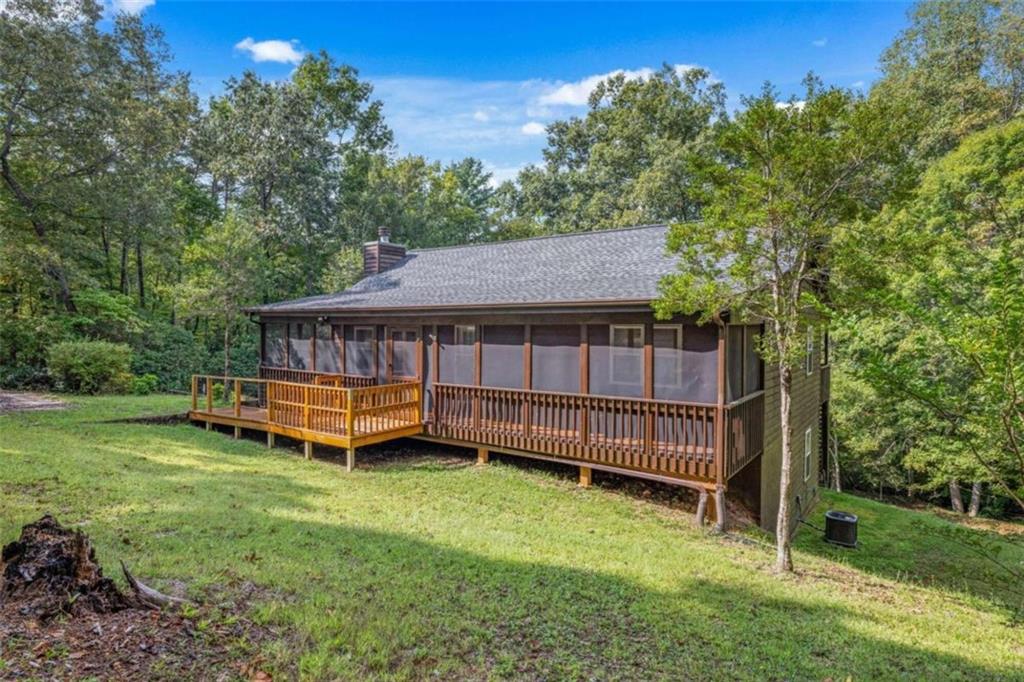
(209,394)
(584,385)
(238,432)
(350,412)
(648,413)
(702,507)
(209,426)
(483,455)
(305,407)
(270,403)
(238,398)
(720,509)
(527,379)
(195,392)
(719,451)
(307,446)
(270,439)
(585,477)
(350,459)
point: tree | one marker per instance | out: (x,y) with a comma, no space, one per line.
(625,162)
(225,270)
(785,177)
(953,278)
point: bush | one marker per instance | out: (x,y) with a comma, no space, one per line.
(90,366)
(25,377)
(145,384)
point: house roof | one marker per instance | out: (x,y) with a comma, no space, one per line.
(621,265)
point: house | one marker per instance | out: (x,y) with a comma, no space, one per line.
(545,348)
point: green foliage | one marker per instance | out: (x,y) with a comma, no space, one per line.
(626,162)
(145,384)
(954,283)
(90,366)
(170,352)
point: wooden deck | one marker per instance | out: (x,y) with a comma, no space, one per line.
(313,413)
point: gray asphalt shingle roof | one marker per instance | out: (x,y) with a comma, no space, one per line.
(610,265)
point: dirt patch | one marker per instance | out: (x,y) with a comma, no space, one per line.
(61,618)
(24,402)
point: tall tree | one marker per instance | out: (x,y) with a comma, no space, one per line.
(786,175)
(625,162)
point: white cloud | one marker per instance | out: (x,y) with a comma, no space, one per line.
(577,93)
(481,115)
(533,128)
(281,51)
(859,84)
(797,105)
(820,42)
(131,6)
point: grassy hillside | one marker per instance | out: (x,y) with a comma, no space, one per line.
(420,564)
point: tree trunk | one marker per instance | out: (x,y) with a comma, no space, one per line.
(837,481)
(975,507)
(106,257)
(139,273)
(955,497)
(124,268)
(783,557)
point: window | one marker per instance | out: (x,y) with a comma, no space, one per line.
(826,348)
(809,356)
(465,335)
(808,440)
(668,357)
(627,360)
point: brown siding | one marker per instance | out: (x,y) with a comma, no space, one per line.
(380,256)
(806,404)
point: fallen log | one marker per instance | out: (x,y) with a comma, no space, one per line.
(147,595)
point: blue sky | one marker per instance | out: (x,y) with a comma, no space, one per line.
(483,79)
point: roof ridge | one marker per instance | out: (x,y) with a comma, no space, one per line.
(540,237)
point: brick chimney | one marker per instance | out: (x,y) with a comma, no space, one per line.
(380,255)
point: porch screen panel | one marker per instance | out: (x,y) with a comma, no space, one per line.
(734,363)
(752,364)
(299,349)
(502,356)
(382,356)
(276,345)
(669,368)
(359,350)
(328,359)
(458,355)
(403,352)
(617,363)
(700,364)
(556,358)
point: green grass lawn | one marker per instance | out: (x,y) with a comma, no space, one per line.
(419,564)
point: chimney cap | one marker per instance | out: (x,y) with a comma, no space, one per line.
(384,233)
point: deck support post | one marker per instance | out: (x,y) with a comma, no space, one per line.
(483,455)
(270,439)
(308,447)
(702,507)
(585,473)
(350,459)
(720,508)
(238,432)
(209,426)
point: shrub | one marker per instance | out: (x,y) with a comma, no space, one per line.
(90,366)
(25,377)
(145,384)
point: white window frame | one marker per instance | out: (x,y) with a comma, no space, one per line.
(808,448)
(678,328)
(809,358)
(612,348)
(460,334)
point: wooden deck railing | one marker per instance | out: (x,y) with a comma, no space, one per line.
(314,408)
(744,432)
(668,438)
(302,376)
